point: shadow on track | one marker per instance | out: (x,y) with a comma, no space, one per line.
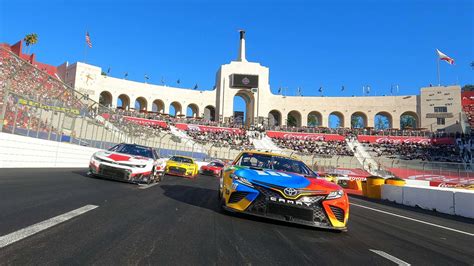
(207,198)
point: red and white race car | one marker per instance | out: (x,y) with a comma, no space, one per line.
(213,168)
(128,162)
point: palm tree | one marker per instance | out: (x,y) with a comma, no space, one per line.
(30,39)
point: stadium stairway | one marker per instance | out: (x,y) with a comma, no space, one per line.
(364,158)
(190,143)
(265,143)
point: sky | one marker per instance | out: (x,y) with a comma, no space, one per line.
(306,44)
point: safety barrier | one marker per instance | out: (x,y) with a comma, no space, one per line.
(444,200)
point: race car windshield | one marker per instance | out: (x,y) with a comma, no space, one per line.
(134,150)
(278,163)
(181,159)
(216,164)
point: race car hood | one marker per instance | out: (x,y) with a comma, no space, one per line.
(122,158)
(272,178)
(178,164)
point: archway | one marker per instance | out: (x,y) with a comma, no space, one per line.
(210,113)
(158,106)
(315,119)
(336,120)
(293,119)
(105,99)
(358,120)
(175,109)
(383,120)
(409,120)
(243,104)
(140,104)
(123,102)
(192,110)
(274,118)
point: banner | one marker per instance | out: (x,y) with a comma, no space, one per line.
(404,139)
(208,128)
(305,136)
(436,177)
(144,121)
(49,107)
(467,98)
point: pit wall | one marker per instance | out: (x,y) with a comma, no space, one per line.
(444,200)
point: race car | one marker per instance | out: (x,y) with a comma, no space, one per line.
(282,188)
(128,162)
(182,166)
(213,168)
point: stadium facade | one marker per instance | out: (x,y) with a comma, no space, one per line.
(434,109)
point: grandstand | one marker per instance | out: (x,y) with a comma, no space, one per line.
(39,103)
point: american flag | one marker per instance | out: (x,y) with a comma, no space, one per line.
(88,40)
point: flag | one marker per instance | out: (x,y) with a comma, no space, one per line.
(444,57)
(126,74)
(279,90)
(320,89)
(108,70)
(368,89)
(146,77)
(195,87)
(342,89)
(88,40)
(298,91)
(162,80)
(178,81)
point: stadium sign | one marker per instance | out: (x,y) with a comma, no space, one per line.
(243,81)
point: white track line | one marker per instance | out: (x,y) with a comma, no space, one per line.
(147,186)
(36,228)
(415,220)
(390,257)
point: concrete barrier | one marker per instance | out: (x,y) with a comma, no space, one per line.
(392,193)
(26,152)
(464,203)
(445,200)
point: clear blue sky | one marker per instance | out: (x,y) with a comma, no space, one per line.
(305,44)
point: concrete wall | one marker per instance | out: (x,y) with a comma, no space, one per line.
(24,152)
(445,200)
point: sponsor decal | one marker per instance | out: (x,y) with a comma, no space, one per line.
(119,158)
(290,202)
(48,107)
(291,192)
(245,81)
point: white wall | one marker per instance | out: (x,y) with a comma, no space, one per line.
(25,152)
(445,200)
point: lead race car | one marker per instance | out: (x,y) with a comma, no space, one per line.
(282,188)
(128,162)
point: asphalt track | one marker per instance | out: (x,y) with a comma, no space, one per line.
(178,222)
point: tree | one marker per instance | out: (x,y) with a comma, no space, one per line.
(468,87)
(407,121)
(381,122)
(313,121)
(30,40)
(292,121)
(357,121)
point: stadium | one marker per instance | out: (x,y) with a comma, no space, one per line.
(403,162)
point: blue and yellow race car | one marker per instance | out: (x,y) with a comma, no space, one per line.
(282,188)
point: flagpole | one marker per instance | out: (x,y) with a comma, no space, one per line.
(439,76)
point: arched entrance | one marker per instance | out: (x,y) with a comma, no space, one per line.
(123,102)
(210,113)
(274,118)
(141,104)
(409,120)
(175,109)
(358,120)
(158,106)
(243,106)
(383,120)
(293,119)
(315,119)
(105,99)
(336,120)
(192,110)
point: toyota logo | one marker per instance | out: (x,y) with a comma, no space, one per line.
(290,191)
